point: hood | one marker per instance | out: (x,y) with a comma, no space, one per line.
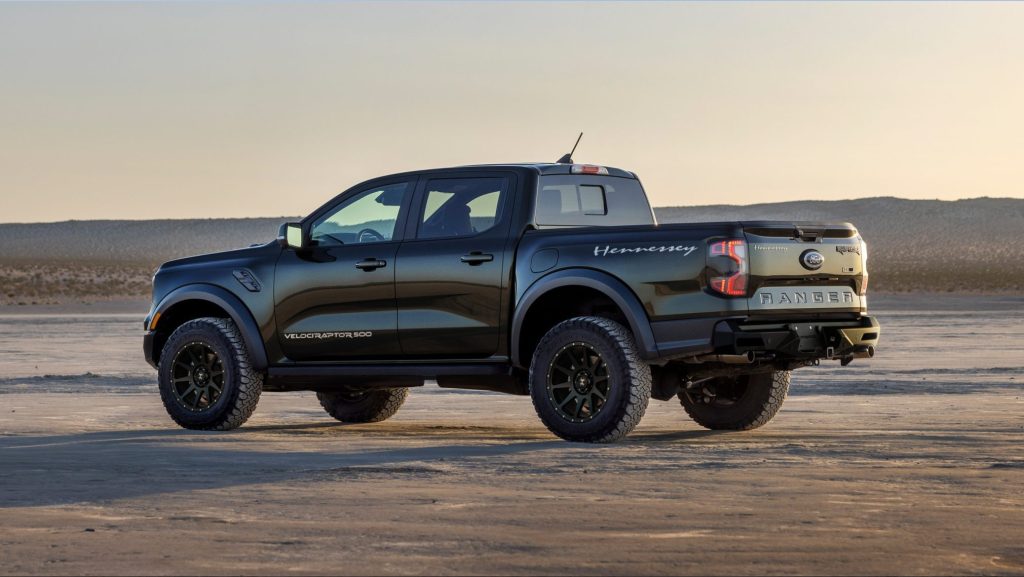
(224,269)
(236,257)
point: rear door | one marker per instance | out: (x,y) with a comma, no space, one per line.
(452,267)
(803,267)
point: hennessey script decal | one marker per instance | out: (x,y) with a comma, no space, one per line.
(607,249)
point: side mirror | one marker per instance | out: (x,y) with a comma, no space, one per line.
(290,235)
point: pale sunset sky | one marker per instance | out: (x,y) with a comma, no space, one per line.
(172,110)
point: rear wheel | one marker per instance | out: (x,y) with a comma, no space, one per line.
(588,382)
(354,406)
(736,403)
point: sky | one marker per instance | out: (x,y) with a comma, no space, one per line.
(209,110)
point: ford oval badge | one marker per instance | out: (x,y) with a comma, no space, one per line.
(812,259)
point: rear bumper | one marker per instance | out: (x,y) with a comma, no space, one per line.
(798,340)
(781,339)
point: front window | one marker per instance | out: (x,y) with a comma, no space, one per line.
(367,217)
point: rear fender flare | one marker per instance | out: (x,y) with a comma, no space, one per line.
(604,283)
(231,304)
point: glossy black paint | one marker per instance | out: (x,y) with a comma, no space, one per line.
(322,290)
(395,309)
(207,284)
(450,290)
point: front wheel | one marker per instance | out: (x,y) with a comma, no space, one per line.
(588,382)
(206,378)
(736,403)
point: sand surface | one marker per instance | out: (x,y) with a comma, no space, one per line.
(911,463)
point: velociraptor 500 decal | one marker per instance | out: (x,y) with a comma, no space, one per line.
(331,335)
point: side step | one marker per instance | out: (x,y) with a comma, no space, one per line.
(477,376)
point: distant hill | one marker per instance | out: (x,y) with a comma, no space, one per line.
(148,242)
(916,245)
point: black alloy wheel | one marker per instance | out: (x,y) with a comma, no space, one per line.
(207,380)
(587,380)
(351,405)
(739,403)
(718,393)
(198,376)
(578,382)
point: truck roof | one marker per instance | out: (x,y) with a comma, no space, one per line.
(543,168)
(552,168)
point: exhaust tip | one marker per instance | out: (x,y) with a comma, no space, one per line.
(864,352)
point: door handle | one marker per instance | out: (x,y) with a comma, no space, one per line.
(369,264)
(476,258)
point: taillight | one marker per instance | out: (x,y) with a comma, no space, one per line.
(735,283)
(864,267)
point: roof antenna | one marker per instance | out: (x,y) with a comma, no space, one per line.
(567,159)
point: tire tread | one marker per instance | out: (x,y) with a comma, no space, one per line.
(250,381)
(765,412)
(384,404)
(629,413)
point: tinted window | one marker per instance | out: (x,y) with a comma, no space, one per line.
(368,216)
(461,206)
(591,201)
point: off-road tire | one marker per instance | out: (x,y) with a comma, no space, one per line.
(364,406)
(242,384)
(628,380)
(760,400)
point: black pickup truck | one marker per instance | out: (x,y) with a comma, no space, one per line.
(551,280)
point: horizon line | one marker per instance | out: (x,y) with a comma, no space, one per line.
(299,217)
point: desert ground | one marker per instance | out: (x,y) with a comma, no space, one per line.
(910,463)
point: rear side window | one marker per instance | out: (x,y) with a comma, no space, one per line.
(564,200)
(461,206)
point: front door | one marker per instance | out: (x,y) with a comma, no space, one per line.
(335,299)
(451,269)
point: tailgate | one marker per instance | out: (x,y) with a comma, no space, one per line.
(800,266)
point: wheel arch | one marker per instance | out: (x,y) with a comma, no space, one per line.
(576,282)
(200,300)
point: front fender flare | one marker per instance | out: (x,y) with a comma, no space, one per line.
(235,308)
(602,282)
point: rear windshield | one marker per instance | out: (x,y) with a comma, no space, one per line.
(571,200)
